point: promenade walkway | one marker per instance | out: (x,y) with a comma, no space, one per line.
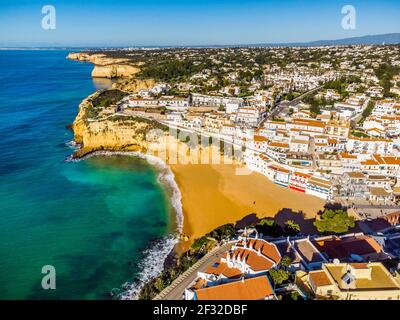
(176,289)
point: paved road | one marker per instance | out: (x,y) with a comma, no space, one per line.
(176,289)
(283,106)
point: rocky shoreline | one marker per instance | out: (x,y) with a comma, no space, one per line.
(97,134)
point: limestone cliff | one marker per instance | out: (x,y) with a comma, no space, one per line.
(107,67)
(114,133)
(134,85)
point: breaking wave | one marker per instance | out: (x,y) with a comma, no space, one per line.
(149,267)
(160,249)
(73,145)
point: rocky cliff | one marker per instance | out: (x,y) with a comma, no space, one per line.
(134,85)
(107,67)
(115,133)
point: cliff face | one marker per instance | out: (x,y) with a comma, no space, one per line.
(134,85)
(114,71)
(98,128)
(110,133)
(106,67)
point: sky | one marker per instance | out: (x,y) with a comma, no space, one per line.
(190,22)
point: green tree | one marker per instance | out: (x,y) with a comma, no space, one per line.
(368,110)
(286,262)
(278,276)
(336,221)
(315,109)
(292,228)
(226,231)
(295,296)
(270,228)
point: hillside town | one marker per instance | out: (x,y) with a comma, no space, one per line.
(323,121)
(326,123)
(347,267)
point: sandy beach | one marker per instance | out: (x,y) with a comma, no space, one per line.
(213,195)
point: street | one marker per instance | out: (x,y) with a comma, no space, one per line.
(176,289)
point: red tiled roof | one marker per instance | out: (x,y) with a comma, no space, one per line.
(222,268)
(250,289)
(320,278)
(255,261)
(342,248)
(260,139)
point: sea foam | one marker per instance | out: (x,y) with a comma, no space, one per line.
(150,266)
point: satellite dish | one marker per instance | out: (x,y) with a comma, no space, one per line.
(336,261)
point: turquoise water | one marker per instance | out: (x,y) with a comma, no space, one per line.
(91,219)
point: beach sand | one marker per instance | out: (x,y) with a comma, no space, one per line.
(213,195)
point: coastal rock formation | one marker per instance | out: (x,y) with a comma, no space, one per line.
(134,85)
(114,71)
(107,67)
(114,133)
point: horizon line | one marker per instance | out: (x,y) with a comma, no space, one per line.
(266,44)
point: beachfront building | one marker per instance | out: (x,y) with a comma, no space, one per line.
(135,102)
(257,162)
(172,103)
(319,187)
(350,281)
(380,196)
(258,288)
(353,185)
(298,181)
(247,258)
(279,175)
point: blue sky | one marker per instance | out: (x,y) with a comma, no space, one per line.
(190,22)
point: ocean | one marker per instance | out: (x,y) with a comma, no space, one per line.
(101,222)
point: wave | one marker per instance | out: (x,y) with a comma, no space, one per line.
(73,145)
(159,250)
(149,267)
